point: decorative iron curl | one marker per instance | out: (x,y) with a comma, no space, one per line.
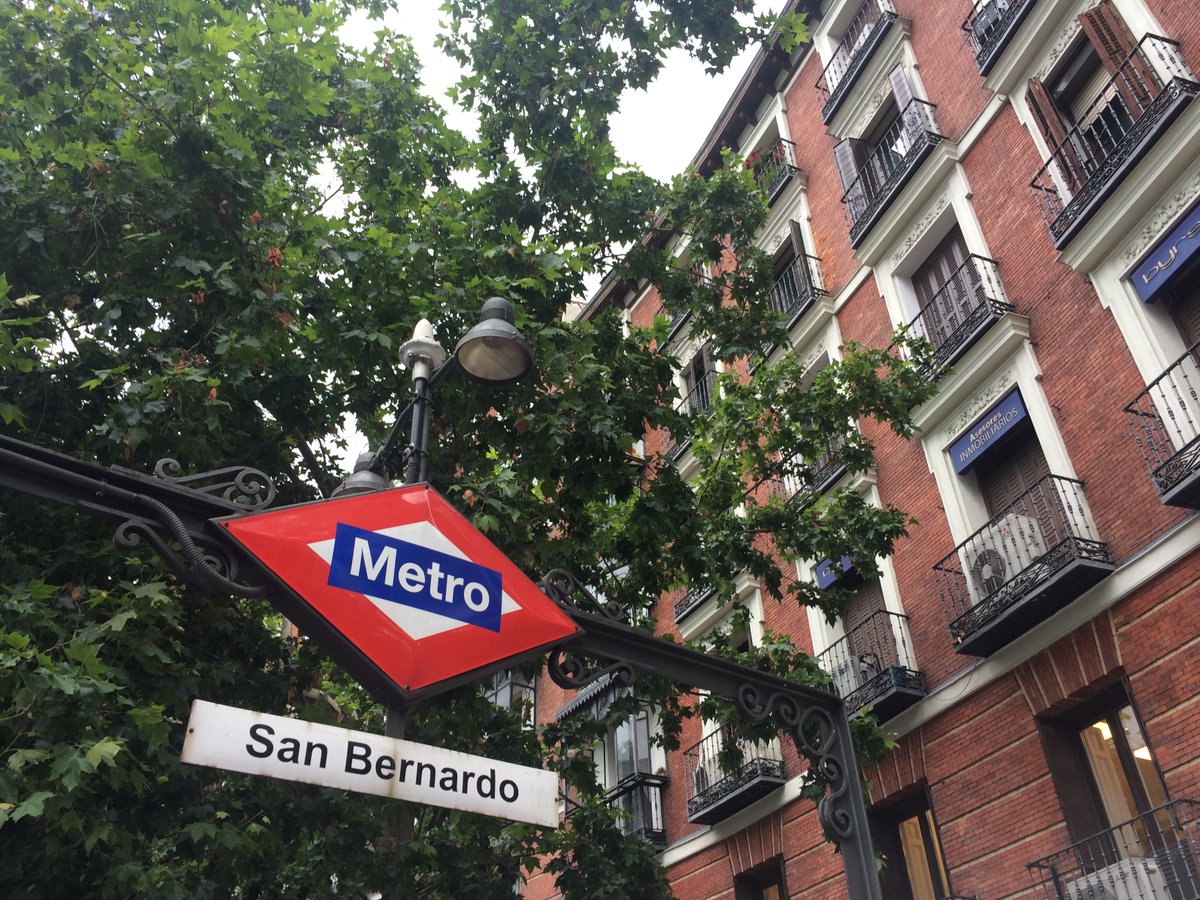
(206,571)
(566,590)
(241,485)
(826,769)
(574,673)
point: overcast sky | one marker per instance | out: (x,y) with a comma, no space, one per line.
(659,129)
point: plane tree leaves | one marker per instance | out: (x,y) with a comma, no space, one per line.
(218,225)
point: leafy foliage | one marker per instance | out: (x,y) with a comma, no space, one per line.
(217,226)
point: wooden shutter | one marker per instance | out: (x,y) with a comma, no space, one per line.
(1184,305)
(849,156)
(946,288)
(1135,80)
(870,639)
(1020,466)
(1054,132)
(900,87)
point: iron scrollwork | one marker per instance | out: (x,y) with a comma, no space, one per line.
(248,488)
(568,592)
(205,565)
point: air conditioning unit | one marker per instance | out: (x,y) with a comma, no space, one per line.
(1129,879)
(1008,546)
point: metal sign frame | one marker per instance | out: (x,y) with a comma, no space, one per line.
(174,514)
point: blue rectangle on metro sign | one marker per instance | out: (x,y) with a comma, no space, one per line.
(826,574)
(409,574)
(987,431)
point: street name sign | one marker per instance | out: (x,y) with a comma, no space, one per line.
(239,740)
(413,586)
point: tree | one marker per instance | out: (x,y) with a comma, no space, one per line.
(218,225)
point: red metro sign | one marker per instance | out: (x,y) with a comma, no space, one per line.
(407,581)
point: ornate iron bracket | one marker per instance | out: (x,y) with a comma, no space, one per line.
(171,509)
(815,719)
(155,510)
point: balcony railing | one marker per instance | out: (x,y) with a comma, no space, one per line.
(904,146)
(1165,422)
(1155,856)
(639,800)
(1030,561)
(698,400)
(691,601)
(854,50)
(965,307)
(728,774)
(1148,92)
(990,26)
(819,475)
(797,287)
(874,666)
(773,167)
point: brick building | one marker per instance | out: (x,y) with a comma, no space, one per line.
(1019,179)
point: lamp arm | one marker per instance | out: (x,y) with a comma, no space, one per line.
(390,445)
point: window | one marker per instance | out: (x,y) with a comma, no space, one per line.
(1094,96)
(699,382)
(1006,477)
(512,690)
(792,287)
(633,769)
(905,834)
(765,882)
(874,166)
(948,288)
(1105,775)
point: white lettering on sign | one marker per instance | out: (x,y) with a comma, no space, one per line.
(239,740)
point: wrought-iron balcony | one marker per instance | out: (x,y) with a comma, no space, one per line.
(797,288)
(1155,856)
(698,400)
(1026,564)
(872,666)
(1165,422)
(773,167)
(819,475)
(1148,92)
(904,146)
(859,42)
(691,601)
(968,304)
(728,774)
(639,800)
(990,26)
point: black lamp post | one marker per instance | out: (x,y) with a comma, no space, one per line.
(493,352)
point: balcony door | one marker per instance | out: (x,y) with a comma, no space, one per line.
(867,634)
(1094,97)
(1024,517)
(948,287)
(1113,796)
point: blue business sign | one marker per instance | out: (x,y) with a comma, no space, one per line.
(827,573)
(385,567)
(987,431)
(1168,257)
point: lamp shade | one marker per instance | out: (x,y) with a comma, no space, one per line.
(364,479)
(493,352)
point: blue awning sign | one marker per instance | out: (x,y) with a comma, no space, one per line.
(1168,257)
(987,431)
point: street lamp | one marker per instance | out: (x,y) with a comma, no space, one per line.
(493,352)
